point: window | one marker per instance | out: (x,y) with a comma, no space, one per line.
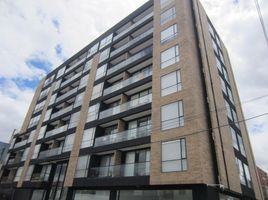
(155,195)
(18,174)
(105,41)
(101,71)
(57,85)
(92,194)
(25,154)
(39,106)
(93,49)
(93,112)
(170,83)
(172,115)
(234,139)
(164,3)
(104,55)
(167,15)
(223,85)
(83,81)
(52,99)
(79,99)
(211,30)
(49,80)
(88,138)
(82,166)
(29,173)
(68,144)
(175,161)
(88,65)
(30,139)
(241,145)
(248,178)
(170,56)
(169,34)
(44,93)
(47,116)
(38,195)
(241,171)
(36,151)
(60,72)
(97,91)
(45,172)
(34,121)
(42,132)
(74,119)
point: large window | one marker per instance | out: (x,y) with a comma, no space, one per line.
(29,173)
(170,83)
(88,65)
(155,195)
(164,3)
(248,178)
(18,174)
(93,50)
(36,151)
(47,115)
(82,166)
(88,138)
(83,81)
(169,34)
(97,91)
(25,154)
(104,55)
(170,56)
(101,71)
(105,41)
(60,72)
(172,115)
(92,194)
(234,139)
(74,119)
(68,144)
(38,195)
(93,112)
(79,99)
(167,15)
(241,145)
(241,171)
(175,161)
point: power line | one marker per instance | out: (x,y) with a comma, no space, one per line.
(261,20)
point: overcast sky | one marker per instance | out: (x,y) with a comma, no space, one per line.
(37,36)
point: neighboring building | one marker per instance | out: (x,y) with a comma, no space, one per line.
(149,110)
(264,182)
(3,152)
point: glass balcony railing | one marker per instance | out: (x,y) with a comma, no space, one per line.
(123,136)
(137,39)
(38,177)
(11,161)
(127,82)
(125,170)
(19,144)
(56,131)
(71,79)
(134,58)
(134,26)
(69,93)
(74,65)
(50,152)
(126,106)
(62,111)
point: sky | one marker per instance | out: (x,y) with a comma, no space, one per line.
(37,36)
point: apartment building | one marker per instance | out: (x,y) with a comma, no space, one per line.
(149,110)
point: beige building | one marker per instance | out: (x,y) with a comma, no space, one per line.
(149,110)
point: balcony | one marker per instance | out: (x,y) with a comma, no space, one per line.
(38,177)
(20,144)
(130,60)
(50,152)
(123,136)
(62,111)
(126,170)
(75,65)
(56,131)
(126,106)
(6,179)
(130,43)
(69,93)
(127,82)
(134,26)
(71,79)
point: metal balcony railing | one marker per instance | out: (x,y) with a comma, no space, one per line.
(50,152)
